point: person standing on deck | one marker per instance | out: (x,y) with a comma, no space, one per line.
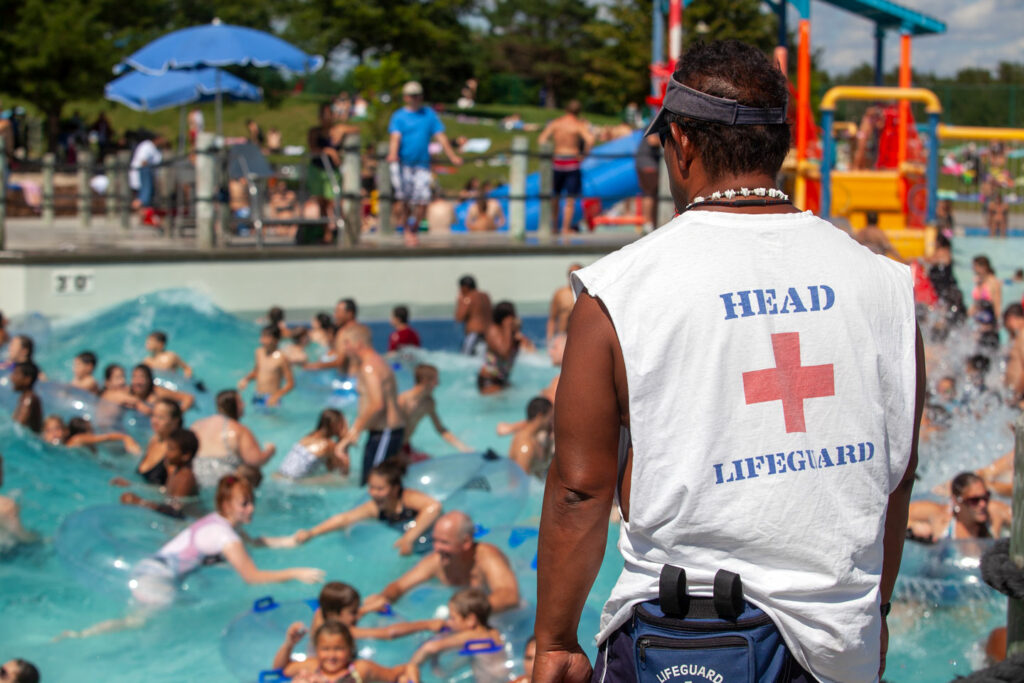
(777,473)
(572,142)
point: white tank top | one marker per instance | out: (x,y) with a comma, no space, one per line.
(770,362)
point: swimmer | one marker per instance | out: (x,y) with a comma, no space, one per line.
(379,413)
(82,368)
(503,339)
(181,481)
(970,514)
(340,602)
(271,370)
(29,410)
(556,350)
(225,443)
(457,560)
(1013,321)
(335,660)
(473,310)
(561,306)
(987,286)
(345,313)
(146,391)
(469,612)
(321,330)
(21,350)
(412,512)
(403,335)
(19,671)
(314,453)
(275,317)
(209,539)
(165,421)
(10,517)
(295,352)
(160,358)
(529,655)
(116,390)
(79,434)
(419,402)
(531,444)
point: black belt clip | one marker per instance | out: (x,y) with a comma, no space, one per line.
(727,599)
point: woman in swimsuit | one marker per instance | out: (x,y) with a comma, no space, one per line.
(165,420)
(314,453)
(225,443)
(414,512)
(335,660)
(987,286)
(78,434)
(503,339)
(210,539)
(970,514)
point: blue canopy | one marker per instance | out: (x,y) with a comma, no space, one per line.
(219,44)
(143,92)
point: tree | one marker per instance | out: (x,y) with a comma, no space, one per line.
(745,20)
(381,83)
(544,40)
(618,64)
(432,37)
(57,52)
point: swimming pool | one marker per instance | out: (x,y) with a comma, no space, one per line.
(39,597)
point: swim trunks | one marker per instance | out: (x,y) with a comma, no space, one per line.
(411,183)
(382,445)
(566,178)
(471,343)
(260,400)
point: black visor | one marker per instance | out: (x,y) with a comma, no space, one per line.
(694,104)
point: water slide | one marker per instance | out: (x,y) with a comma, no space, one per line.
(608,174)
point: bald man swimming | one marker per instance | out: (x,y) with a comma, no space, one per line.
(459,561)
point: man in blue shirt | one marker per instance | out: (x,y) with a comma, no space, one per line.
(412,128)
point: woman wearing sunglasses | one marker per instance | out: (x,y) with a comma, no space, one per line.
(971,514)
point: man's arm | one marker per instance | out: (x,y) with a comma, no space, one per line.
(448,150)
(372,405)
(545,134)
(462,309)
(898,510)
(553,311)
(579,492)
(588,137)
(423,571)
(393,142)
(501,581)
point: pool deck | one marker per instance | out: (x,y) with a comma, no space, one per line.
(67,270)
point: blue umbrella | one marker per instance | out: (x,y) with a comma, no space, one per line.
(143,92)
(219,44)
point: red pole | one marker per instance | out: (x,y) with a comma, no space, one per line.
(904,104)
(803,90)
(675,30)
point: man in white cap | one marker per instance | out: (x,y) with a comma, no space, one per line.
(411,129)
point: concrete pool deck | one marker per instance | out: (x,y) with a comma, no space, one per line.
(67,270)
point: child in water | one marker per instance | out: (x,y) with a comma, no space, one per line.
(469,612)
(181,481)
(272,371)
(82,368)
(160,358)
(336,662)
(341,602)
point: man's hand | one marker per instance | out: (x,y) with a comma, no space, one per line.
(391,158)
(562,666)
(455,159)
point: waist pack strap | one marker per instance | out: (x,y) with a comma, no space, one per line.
(672,592)
(728,595)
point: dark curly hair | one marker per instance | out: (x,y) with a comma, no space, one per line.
(735,70)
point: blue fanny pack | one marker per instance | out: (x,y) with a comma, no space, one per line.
(722,639)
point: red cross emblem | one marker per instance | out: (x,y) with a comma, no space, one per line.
(788,381)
